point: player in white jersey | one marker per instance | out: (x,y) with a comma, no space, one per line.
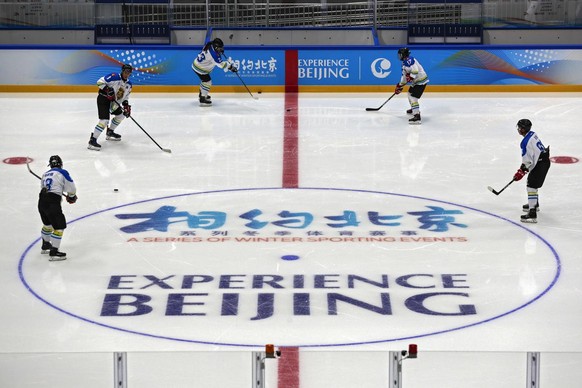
(205,62)
(412,73)
(535,159)
(53,185)
(114,90)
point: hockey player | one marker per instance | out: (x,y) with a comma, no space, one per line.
(535,159)
(412,73)
(205,62)
(54,183)
(114,90)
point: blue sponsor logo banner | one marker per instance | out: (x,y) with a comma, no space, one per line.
(257,67)
(153,66)
(321,67)
(347,67)
(480,66)
(174,67)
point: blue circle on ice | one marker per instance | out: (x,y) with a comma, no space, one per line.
(345,253)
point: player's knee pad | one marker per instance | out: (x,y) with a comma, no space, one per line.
(101,125)
(115,121)
(57,235)
(412,100)
(205,86)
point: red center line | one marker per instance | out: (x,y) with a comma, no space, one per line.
(288,364)
(288,368)
(290,123)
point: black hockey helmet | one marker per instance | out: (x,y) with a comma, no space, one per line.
(55,161)
(403,53)
(126,70)
(218,45)
(524,124)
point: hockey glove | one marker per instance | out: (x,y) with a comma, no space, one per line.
(108,93)
(408,77)
(126,109)
(71,198)
(232,68)
(398,89)
(519,174)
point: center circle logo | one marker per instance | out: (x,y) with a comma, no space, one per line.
(249,266)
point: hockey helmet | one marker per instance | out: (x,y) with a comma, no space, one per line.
(126,70)
(218,45)
(524,124)
(55,161)
(403,53)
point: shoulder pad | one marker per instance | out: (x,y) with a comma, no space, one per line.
(65,174)
(409,61)
(112,77)
(217,58)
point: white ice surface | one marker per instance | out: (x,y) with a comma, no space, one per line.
(465,143)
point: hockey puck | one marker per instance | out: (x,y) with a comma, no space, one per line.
(116,190)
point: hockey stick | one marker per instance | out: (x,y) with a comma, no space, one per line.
(500,191)
(151,138)
(243,82)
(245,85)
(32,172)
(380,107)
(144,131)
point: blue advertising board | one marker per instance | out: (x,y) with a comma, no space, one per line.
(453,66)
(265,66)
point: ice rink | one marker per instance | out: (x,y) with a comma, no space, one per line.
(302,221)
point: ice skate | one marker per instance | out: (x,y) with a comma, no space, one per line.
(93,145)
(409,112)
(415,119)
(531,216)
(204,100)
(46,247)
(112,135)
(526,207)
(55,255)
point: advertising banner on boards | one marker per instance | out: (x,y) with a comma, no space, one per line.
(325,67)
